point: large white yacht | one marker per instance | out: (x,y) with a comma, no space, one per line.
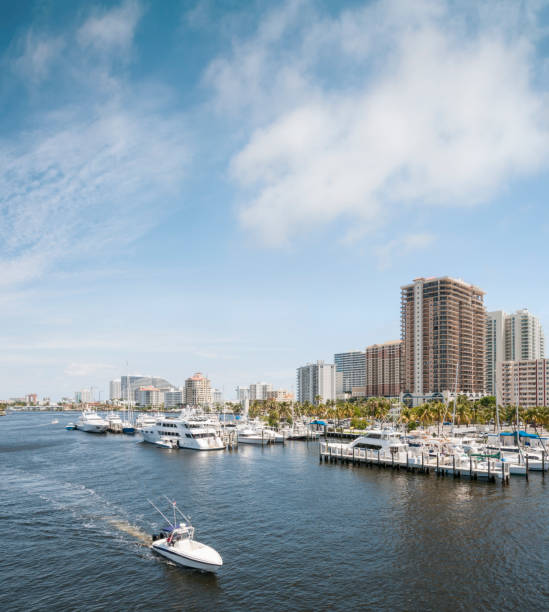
(194,432)
(91,422)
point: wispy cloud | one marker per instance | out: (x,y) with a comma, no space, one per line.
(112,30)
(36,54)
(379,108)
(89,369)
(94,173)
(400,247)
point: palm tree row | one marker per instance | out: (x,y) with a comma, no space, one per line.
(364,411)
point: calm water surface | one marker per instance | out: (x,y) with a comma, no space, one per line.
(294,534)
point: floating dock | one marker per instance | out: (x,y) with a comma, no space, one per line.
(441,465)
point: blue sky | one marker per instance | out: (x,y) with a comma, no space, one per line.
(239,188)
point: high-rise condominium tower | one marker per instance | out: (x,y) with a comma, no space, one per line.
(316,380)
(383,369)
(443,325)
(352,367)
(524,337)
(198,390)
(511,337)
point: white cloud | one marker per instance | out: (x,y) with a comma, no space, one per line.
(380,108)
(111,30)
(37,53)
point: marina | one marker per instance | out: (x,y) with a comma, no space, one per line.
(83,497)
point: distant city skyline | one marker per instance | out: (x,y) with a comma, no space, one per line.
(241,189)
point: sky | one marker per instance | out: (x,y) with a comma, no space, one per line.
(240,188)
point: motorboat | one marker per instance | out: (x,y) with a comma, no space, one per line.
(115,422)
(128,428)
(192,432)
(70,426)
(249,435)
(275,436)
(55,421)
(176,542)
(91,422)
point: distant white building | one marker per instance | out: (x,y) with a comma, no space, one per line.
(242,393)
(115,389)
(149,396)
(510,337)
(316,380)
(84,396)
(217,396)
(198,390)
(259,391)
(174,399)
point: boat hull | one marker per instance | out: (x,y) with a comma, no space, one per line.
(183,560)
(258,440)
(90,428)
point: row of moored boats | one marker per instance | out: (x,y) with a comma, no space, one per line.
(193,430)
(522,452)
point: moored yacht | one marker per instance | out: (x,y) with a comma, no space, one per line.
(192,432)
(384,440)
(91,422)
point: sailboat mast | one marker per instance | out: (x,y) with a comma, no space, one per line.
(455,398)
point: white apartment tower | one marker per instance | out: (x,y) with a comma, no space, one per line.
(115,389)
(510,337)
(352,365)
(524,337)
(259,391)
(316,380)
(495,350)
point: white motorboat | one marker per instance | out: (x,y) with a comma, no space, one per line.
(275,436)
(91,422)
(248,435)
(176,542)
(193,432)
(384,440)
(115,422)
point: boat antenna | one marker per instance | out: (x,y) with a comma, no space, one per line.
(160,512)
(175,508)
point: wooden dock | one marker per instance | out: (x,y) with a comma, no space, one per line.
(441,465)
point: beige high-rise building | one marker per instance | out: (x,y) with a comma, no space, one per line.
(383,369)
(198,390)
(525,383)
(443,327)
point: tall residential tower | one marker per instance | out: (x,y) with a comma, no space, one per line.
(443,326)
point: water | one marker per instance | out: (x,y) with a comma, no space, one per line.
(294,534)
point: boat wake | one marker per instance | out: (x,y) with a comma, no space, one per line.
(85,505)
(131,530)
